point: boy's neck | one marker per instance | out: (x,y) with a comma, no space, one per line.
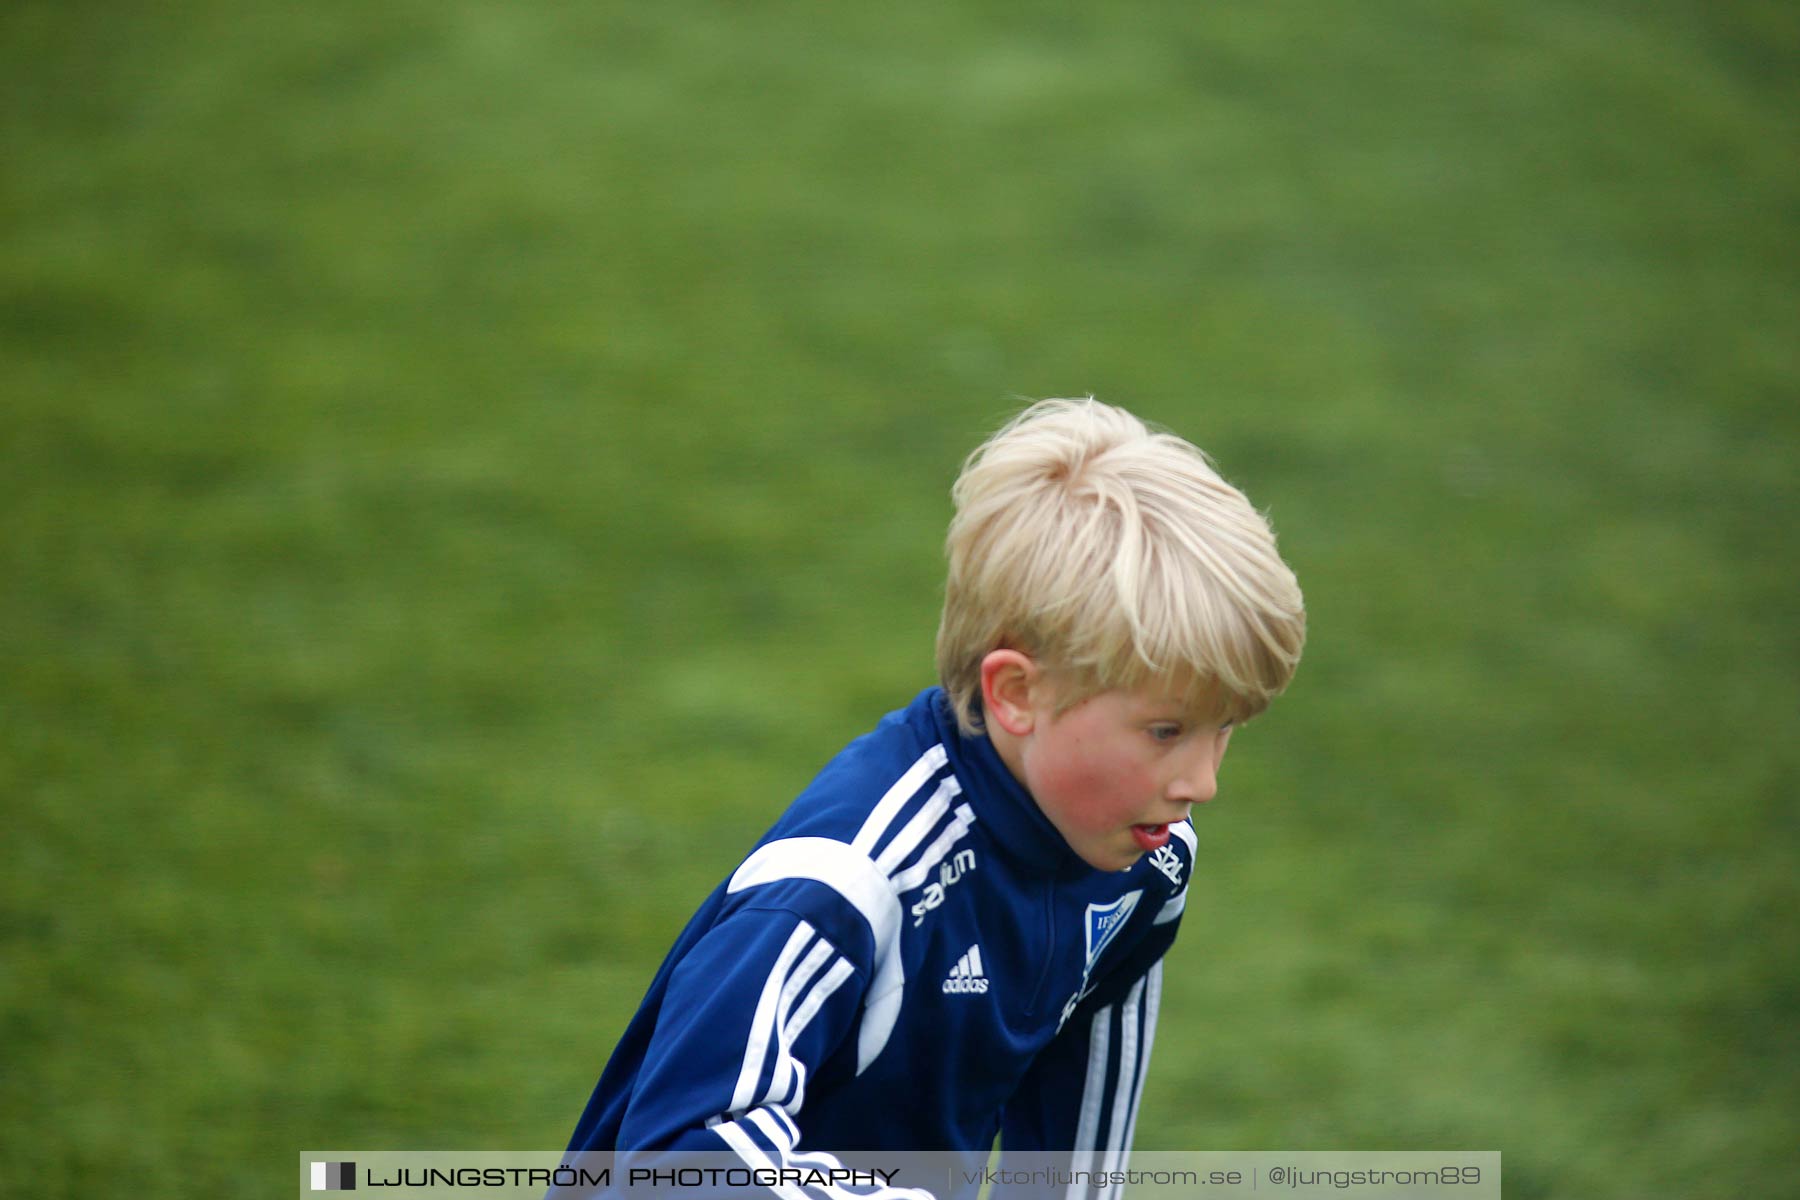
(1010,748)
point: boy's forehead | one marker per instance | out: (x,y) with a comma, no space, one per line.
(1183,693)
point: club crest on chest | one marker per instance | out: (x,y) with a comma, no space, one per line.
(1102,925)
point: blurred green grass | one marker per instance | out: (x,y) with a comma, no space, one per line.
(464,467)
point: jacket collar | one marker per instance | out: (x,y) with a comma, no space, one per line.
(1000,801)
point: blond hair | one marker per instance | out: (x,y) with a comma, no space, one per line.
(1115,556)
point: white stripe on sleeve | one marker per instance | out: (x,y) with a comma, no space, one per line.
(787,1067)
(779,1078)
(1127,1081)
(762,1025)
(923,822)
(882,815)
(1093,1095)
(748,1150)
(778,1131)
(1152,1003)
(815,999)
(938,851)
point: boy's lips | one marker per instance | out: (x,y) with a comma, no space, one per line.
(1151,837)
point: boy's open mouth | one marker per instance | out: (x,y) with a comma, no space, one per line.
(1151,837)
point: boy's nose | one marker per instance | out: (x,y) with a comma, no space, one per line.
(1198,781)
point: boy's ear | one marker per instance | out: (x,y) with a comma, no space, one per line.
(1008,680)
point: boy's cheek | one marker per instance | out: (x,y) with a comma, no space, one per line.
(1079,776)
(1101,814)
(1078,802)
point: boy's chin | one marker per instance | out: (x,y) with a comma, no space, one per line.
(1112,858)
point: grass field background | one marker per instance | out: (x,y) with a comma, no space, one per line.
(464,466)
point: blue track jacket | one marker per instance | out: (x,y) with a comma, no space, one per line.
(911,959)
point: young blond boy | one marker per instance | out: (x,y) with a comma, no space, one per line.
(956,931)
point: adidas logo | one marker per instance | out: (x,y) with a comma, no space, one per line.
(966,976)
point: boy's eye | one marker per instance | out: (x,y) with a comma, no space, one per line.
(1165,733)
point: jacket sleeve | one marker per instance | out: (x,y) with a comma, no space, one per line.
(1080,1096)
(752,1014)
